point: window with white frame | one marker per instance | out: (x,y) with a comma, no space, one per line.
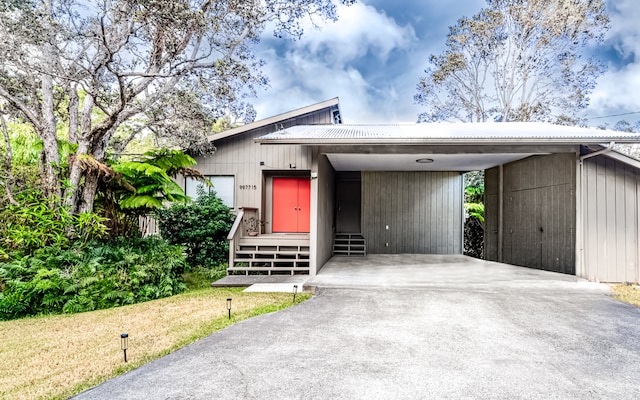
(223,185)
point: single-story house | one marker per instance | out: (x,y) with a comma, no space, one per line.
(305,187)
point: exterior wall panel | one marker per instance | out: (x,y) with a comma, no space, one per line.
(325,184)
(491,211)
(539,213)
(239,156)
(611,220)
(422,210)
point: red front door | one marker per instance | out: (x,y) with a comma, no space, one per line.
(291,204)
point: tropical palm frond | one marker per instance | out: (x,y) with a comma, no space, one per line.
(141,201)
(131,168)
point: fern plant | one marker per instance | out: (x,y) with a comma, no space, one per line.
(142,186)
(100,275)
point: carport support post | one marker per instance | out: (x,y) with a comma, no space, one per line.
(500,209)
(579,265)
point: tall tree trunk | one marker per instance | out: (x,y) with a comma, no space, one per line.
(76,172)
(92,178)
(51,159)
(8,186)
(73,114)
(89,190)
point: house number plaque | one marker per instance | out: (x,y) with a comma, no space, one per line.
(248,187)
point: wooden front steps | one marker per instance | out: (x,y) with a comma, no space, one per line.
(271,254)
(349,244)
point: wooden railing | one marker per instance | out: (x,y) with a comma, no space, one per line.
(234,235)
(247,223)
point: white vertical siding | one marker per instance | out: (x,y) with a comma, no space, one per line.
(611,220)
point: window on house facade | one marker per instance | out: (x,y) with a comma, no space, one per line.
(223,185)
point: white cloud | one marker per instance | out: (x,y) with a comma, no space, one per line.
(624,34)
(617,90)
(361,29)
(334,62)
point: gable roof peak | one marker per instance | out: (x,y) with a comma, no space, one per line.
(274,120)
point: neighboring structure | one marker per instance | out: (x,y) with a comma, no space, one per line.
(304,187)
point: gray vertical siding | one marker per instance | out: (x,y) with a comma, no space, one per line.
(423,211)
(325,211)
(610,220)
(491,211)
(539,213)
(240,156)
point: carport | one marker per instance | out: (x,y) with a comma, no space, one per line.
(401,185)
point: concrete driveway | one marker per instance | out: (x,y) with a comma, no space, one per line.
(537,335)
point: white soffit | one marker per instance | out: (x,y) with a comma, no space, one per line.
(408,162)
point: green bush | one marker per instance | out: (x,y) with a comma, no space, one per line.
(474,223)
(100,275)
(35,223)
(201,227)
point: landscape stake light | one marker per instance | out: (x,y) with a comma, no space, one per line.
(124,343)
(229,307)
(295,290)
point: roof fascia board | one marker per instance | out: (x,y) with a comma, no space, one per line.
(448,141)
(442,149)
(276,118)
(623,158)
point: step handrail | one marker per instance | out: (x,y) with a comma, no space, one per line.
(236,225)
(234,236)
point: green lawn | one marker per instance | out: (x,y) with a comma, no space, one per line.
(58,356)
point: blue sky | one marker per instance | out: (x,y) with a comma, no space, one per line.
(374,55)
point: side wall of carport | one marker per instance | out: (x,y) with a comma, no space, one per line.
(322,212)
(538,213)
(418,212)
(610,204)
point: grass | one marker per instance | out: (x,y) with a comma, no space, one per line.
(59,356)
(627,293)
(201,278)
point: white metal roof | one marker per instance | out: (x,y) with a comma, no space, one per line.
(447,133)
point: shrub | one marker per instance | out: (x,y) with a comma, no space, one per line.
(474,223)
(36,223)
(201,227)
(101,275)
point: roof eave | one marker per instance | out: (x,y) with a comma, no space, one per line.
(450,141)
(274,119)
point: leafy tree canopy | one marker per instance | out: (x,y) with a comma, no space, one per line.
(150,63)
(516,60)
